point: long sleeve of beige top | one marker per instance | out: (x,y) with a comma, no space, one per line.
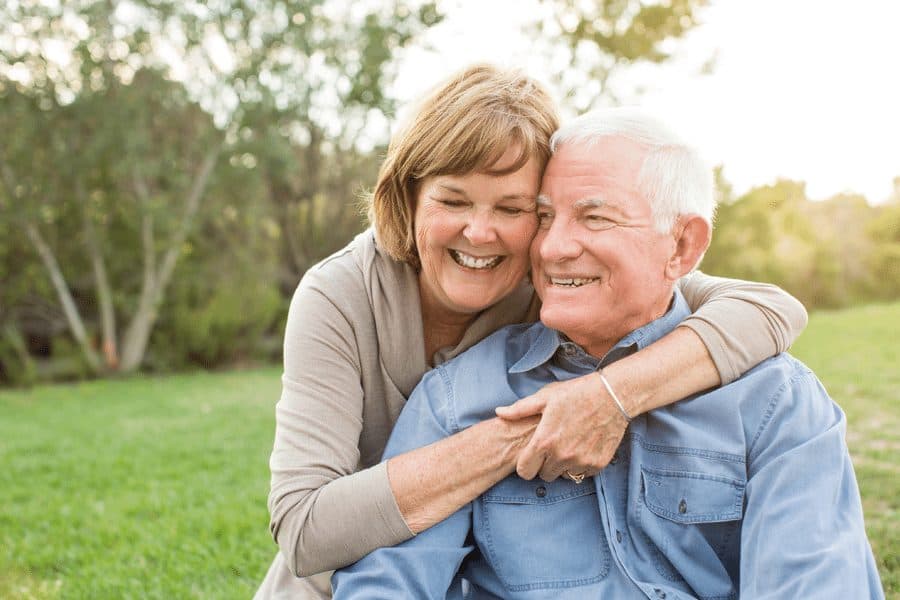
(354,350)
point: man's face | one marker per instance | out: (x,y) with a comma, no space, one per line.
(599,265)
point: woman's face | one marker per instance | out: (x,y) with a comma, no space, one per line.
(473,233)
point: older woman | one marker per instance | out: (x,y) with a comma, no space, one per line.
(446,265)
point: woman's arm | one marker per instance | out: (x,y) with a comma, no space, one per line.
(741,323)
(324,513)
(736,325)
(318,501)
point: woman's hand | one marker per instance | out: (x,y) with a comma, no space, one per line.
(579,431)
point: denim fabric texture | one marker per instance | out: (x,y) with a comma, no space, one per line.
(743,491)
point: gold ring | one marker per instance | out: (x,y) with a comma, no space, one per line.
(576,477)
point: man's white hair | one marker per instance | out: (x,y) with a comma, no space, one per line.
(674,178)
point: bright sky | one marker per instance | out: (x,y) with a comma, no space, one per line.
(804,89)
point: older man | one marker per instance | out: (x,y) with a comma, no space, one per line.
(746,490)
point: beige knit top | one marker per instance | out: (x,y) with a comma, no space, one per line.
(353,352)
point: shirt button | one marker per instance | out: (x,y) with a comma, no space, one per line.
(618,536)
(659,593)
(682,506)
(540,492)
(569,350)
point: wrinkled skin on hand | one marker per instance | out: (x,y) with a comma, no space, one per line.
(579,431)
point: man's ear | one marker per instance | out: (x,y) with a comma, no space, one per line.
(692,235)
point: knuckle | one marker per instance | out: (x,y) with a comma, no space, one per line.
(544,442)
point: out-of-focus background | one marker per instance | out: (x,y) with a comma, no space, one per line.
(169,170)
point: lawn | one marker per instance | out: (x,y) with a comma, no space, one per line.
(145,488)
(156,487)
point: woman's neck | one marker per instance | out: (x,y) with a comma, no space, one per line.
(441,327)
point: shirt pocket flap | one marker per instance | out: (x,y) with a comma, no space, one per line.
(514,490)
(692,497)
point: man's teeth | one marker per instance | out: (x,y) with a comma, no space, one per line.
(475,263)
(573,281)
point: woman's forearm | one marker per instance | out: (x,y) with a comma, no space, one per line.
(433,482)
(672,368)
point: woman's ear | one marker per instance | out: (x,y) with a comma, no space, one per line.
(692,236)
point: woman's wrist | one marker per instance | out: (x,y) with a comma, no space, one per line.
(508,438)
(632,392)
(664,372)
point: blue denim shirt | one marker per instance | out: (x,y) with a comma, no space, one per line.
(746,490)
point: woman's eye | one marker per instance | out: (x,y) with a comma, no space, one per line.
(511,210)
(453,203)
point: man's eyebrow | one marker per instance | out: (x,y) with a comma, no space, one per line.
(544,200)
(589,203)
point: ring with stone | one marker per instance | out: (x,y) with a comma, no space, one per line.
(576,477)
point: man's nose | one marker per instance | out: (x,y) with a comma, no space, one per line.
(558,243)
(480,228)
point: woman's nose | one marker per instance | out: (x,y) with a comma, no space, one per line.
(480,228)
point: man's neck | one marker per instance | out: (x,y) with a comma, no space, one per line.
(599,347)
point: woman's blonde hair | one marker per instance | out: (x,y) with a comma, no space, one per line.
(465,125)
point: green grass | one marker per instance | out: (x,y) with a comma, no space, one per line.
(143,488)
(856,354)
(156,487)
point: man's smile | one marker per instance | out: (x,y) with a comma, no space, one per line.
(572,282)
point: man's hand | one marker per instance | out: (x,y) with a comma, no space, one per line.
(579,431)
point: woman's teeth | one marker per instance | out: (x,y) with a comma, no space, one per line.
(472,262)
(572,281)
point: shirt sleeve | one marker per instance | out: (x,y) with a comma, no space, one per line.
(425,566)
(803,534)
(324,513)
(741,323)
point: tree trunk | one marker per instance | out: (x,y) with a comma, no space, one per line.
(73,317)
(104,295)
(25,372)
(134,344)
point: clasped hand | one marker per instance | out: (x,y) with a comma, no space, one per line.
(579,430)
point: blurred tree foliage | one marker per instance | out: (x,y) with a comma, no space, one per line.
(169,170)
(828,253)
(159,151)
(592,41)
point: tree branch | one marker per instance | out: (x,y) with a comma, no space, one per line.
(104,290)
(73,317)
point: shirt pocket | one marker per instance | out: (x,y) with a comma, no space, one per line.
(691,520)
(539,535)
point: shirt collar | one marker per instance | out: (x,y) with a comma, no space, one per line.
(542,343)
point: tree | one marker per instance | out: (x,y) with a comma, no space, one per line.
(600,40)
(884,257)
(138,101)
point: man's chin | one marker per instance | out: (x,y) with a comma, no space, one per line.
(562,318)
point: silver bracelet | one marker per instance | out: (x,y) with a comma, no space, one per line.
(613,395)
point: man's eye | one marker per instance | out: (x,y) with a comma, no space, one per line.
(599,221)
(544,218)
